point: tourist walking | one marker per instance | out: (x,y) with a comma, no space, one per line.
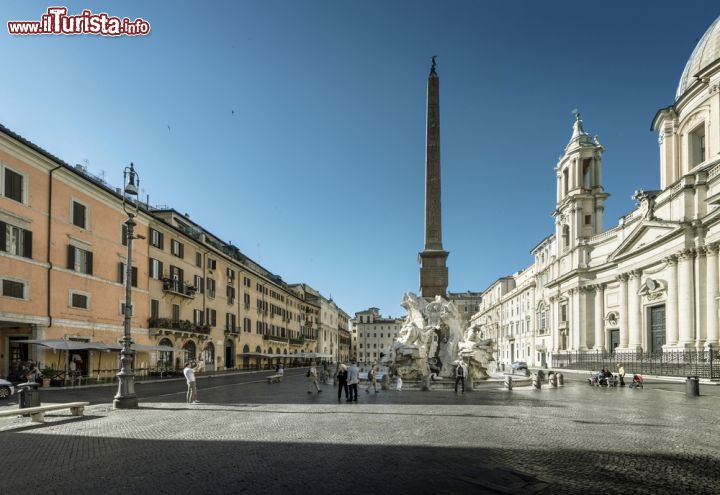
(460,374)
(621,374)
(372,380)
(189,373)
(353,380)
(313,376)
(342,377)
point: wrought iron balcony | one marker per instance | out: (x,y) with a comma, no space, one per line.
(275,338)
(178,325)
(178,287)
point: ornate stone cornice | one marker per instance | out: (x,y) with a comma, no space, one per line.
(686,254)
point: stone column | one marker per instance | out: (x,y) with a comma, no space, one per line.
(686,320)
(583,318)
(599,320)
(623,323)
(574,319)
(711,295)
(671,308)
(555,312)
(699,287)
(634,308)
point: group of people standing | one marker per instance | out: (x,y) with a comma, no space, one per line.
(348,378)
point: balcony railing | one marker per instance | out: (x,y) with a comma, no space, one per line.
(232,329)
(178,287)
(181,325)
(299,341)
(275,338)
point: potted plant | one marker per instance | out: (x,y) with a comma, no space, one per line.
(47,375)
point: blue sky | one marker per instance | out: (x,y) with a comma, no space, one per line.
(318,174)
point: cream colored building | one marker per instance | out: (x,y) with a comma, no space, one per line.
(648,284)
(372,334)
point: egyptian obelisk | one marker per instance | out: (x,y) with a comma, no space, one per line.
(433,271)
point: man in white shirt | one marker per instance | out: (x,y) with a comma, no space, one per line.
(189,373)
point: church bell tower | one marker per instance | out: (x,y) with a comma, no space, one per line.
(580,196)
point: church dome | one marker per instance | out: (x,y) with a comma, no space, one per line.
(705,53)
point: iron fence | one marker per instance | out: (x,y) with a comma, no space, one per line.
(704,364)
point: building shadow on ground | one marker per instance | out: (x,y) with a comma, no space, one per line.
(82,464)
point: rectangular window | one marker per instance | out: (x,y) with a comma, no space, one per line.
(246,282)
(588,219)
(157,239)
(230,276)
(247,324)
(696,141)
(212,264)
(176,274)
(122,309)
(79,215)
(199,284)
(211,317)
(80,260)
(79,300)
(14,185)
(563,313)
(122,272)
(198,259)
(15,240)
(177,248)
(156,269)
(230,295)
(175,312)
(198,317)
(12,288)
(123,234)
(210,287)
(154,309)
(230,321)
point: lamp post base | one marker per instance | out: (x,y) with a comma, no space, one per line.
(125,397)
(125,403)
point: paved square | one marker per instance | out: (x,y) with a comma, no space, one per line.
(248,436)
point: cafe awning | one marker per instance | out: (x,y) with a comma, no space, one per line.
(70,345)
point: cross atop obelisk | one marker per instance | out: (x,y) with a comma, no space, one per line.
(433,272)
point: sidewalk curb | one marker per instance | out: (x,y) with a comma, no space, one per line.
(161,380)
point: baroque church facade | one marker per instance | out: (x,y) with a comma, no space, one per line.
(647,285)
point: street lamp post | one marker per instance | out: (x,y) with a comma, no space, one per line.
(125,397)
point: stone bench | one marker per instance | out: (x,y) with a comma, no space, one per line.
(37,414)
(274,378)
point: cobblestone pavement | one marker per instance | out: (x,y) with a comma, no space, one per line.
(252,437)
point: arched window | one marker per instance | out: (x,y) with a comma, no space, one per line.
(542,318)
(165,358)
(190,350)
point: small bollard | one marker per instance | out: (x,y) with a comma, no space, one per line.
(536,383)
(508,382)
(552,380)
(692,386)
(560,379)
